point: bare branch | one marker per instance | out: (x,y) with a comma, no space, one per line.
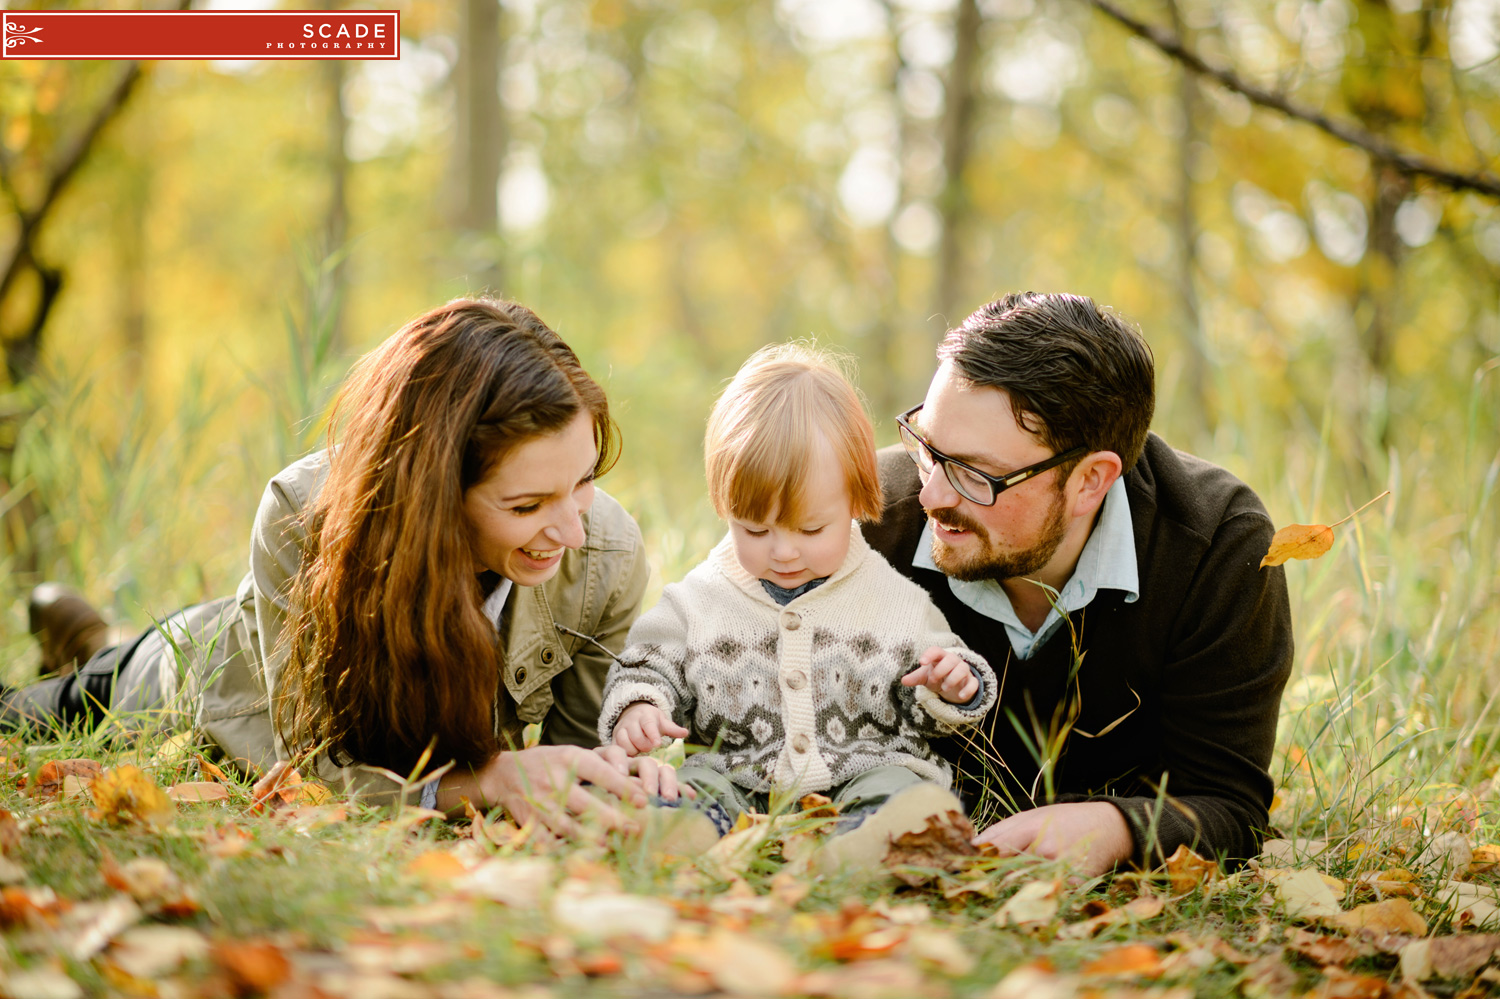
(1402,160)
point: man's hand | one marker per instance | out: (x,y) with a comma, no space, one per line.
(643,727)
(945,674)
(1091,835)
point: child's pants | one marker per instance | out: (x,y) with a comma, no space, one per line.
(855,798)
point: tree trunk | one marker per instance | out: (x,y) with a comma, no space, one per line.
(336,223)
(481,137)
(1198,371)
(958,140)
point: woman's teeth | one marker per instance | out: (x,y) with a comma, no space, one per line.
(540,556)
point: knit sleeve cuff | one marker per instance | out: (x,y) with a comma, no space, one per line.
(962,715)
(622,696)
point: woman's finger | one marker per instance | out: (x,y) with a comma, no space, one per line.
(587,806)
(666,782)
(649,769)
(605,777)
(615,756)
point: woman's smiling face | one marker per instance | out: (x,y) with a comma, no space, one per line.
(530,507)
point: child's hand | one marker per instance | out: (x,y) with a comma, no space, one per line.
(643,727)
(942,672)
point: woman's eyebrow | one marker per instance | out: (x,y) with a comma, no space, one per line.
(521,496)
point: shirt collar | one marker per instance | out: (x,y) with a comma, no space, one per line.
(1107,562)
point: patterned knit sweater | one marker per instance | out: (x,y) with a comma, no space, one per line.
(805,696)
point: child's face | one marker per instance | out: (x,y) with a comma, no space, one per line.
(792,554)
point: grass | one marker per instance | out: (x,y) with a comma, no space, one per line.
(1385,740)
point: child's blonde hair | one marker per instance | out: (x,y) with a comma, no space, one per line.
(767,429)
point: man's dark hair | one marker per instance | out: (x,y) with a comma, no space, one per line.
(1075,373)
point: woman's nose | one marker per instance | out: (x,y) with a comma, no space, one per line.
(568,530)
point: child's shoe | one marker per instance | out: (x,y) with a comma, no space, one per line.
(866,847)
(680,832)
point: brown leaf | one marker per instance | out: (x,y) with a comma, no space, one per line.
(212,772)
(1144,907)
(198,792)
(1486,858)
(943,844)
(283,786)
(886,979)
(1305,541)
(1341,984)
(48,785)
(252,966)
(10,832)
(1269,976)
(858,945)
(1393,915)
(125,795)
(1186,870)
(1322,948)
(1457,956)
(818,806)
(1126,961)
(1033,906)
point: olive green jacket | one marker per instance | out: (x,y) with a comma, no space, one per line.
(551,677)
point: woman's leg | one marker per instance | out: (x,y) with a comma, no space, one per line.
(81,698)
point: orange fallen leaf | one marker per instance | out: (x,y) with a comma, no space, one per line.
(1304,541)
(1125,961)
(252,966)
(211,771)
(10,832)
(860,946)
(817,806)
(1392,915)
(1323,948)
(436,865)
(1186,870)
(1341,984)
(48,785)
(1486,858)
(283,786)
(198,792)
(125,795)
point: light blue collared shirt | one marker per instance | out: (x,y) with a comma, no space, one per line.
(1106,563)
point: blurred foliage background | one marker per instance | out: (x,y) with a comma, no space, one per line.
(198,250)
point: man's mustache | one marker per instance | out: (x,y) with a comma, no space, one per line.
(953,520)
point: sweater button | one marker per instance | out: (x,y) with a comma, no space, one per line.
(800,744)
(797,680)
(791,620)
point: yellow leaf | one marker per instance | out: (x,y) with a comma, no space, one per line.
(1305,541)
(1391,915)
(1186,870)
(436,865)
(1306,895)
(1034,905)
(125,794)
(1128,961)
(198,792)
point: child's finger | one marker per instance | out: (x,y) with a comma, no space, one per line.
(650,730)
(916,678)
(624,740)
(676,731)
(932,655)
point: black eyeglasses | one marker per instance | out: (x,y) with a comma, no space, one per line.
(968,481)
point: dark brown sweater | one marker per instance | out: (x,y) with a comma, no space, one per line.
(1207,649)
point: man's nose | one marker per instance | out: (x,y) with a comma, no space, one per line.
(937,492)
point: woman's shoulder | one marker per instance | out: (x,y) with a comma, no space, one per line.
(609,526)
(296,484)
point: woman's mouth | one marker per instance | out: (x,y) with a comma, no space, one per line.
(540,557)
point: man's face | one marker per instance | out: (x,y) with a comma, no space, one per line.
(1017,536)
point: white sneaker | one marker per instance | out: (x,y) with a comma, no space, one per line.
(867,846)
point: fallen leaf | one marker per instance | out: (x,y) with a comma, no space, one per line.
(1447,854)
(942,950)
(41,983)
(742,965)
(858,945)
(10,832)
(198,792)
(125,795)
(90,926)
(1392,915)
(11,873)
(871,980)
(151,952)
(1269,977)
(48,785)
(1473,905)
(1037,980)
(1341,984)
(435,866)
(1144,907)
(1272,875)
(944,844)
(589,914)
(1186,870)
(388,955)
(818,806)
(1322,948)
(283,786)
(1290,852)
(1305,895)
(1304,541)
(1486,858)
(514,881)
(1447,957)
(442,912)
(1126,961)
(1033,906)
(253,966)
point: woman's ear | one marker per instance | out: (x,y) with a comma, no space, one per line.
(1092,477)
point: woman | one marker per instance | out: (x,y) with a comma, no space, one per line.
(444,574)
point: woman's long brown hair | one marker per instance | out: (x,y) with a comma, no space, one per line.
(388,646)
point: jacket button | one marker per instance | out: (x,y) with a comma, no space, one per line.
(521,674)
(547,657)
(791,620)
(800,743)
(797,680)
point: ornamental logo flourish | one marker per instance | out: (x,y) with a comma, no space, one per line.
(15,35)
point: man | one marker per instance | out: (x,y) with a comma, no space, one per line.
(1111,582)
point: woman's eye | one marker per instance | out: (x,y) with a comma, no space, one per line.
(524,510)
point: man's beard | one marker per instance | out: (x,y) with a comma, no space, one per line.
(987,562)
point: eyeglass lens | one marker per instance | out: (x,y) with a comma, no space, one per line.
(966,482)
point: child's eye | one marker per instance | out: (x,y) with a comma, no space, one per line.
(813,530)
(756,533)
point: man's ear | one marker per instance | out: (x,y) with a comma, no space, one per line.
(1091,478)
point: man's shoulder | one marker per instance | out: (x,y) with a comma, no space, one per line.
(896,534)
(1185,490)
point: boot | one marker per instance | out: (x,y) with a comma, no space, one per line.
(67,627)
(917,809)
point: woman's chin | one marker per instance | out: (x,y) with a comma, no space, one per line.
(525,570)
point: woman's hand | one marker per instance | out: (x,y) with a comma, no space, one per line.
(544,783)
(945,674)
(644,726)
(657,778)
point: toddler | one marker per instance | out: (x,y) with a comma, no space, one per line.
(795,651)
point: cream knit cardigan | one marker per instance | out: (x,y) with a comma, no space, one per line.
(802,697)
